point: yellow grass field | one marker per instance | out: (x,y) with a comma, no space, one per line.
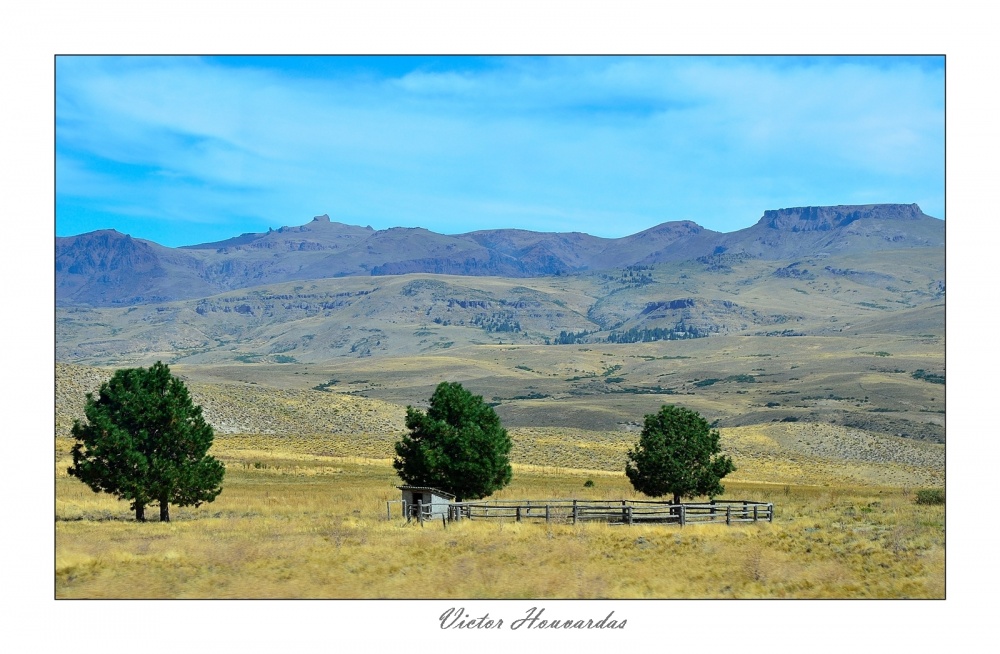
(292,523)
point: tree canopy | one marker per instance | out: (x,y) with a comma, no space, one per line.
(676,455)
(457,446)
(145,441)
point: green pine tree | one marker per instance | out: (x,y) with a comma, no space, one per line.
(458,446)
(145,441)
(676,455)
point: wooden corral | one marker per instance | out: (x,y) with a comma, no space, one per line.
(626,512)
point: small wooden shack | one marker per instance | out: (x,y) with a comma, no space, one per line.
(433,502)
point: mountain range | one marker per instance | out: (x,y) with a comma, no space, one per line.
(106,268)
(813,314)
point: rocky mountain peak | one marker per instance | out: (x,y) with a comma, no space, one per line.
(102,251)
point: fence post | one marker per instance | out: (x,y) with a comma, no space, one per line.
(713,511)
(629,511)
(420,512)
(406,511)
(755,513)
(388,516)
(518,514)
(574,512)
(770,513)
(729,514)
(683,516)
(546,513)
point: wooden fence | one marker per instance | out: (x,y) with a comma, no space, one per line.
(626,512)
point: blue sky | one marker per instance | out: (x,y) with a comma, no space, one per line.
(183,150)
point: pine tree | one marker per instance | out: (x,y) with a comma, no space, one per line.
(145,441)
(458,446)
(675,456)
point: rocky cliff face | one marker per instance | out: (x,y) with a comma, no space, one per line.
(807,219)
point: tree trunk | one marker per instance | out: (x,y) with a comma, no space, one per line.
(164,511)
(140,512)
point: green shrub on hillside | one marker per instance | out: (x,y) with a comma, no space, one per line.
(930,496)
(931,377)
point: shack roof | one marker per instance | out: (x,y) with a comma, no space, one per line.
(421,489)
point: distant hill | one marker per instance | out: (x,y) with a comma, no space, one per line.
(107,268)
(815,315)
(897,292)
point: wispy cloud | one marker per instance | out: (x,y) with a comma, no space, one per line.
(186,149)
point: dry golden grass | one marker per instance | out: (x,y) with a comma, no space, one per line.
(829,454)
(293,523)
(246,407)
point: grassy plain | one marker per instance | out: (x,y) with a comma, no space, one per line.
(294,523)
(812,379)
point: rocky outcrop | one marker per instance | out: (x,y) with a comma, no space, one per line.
(807,219)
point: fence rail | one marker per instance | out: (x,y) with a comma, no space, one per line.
(612,511)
